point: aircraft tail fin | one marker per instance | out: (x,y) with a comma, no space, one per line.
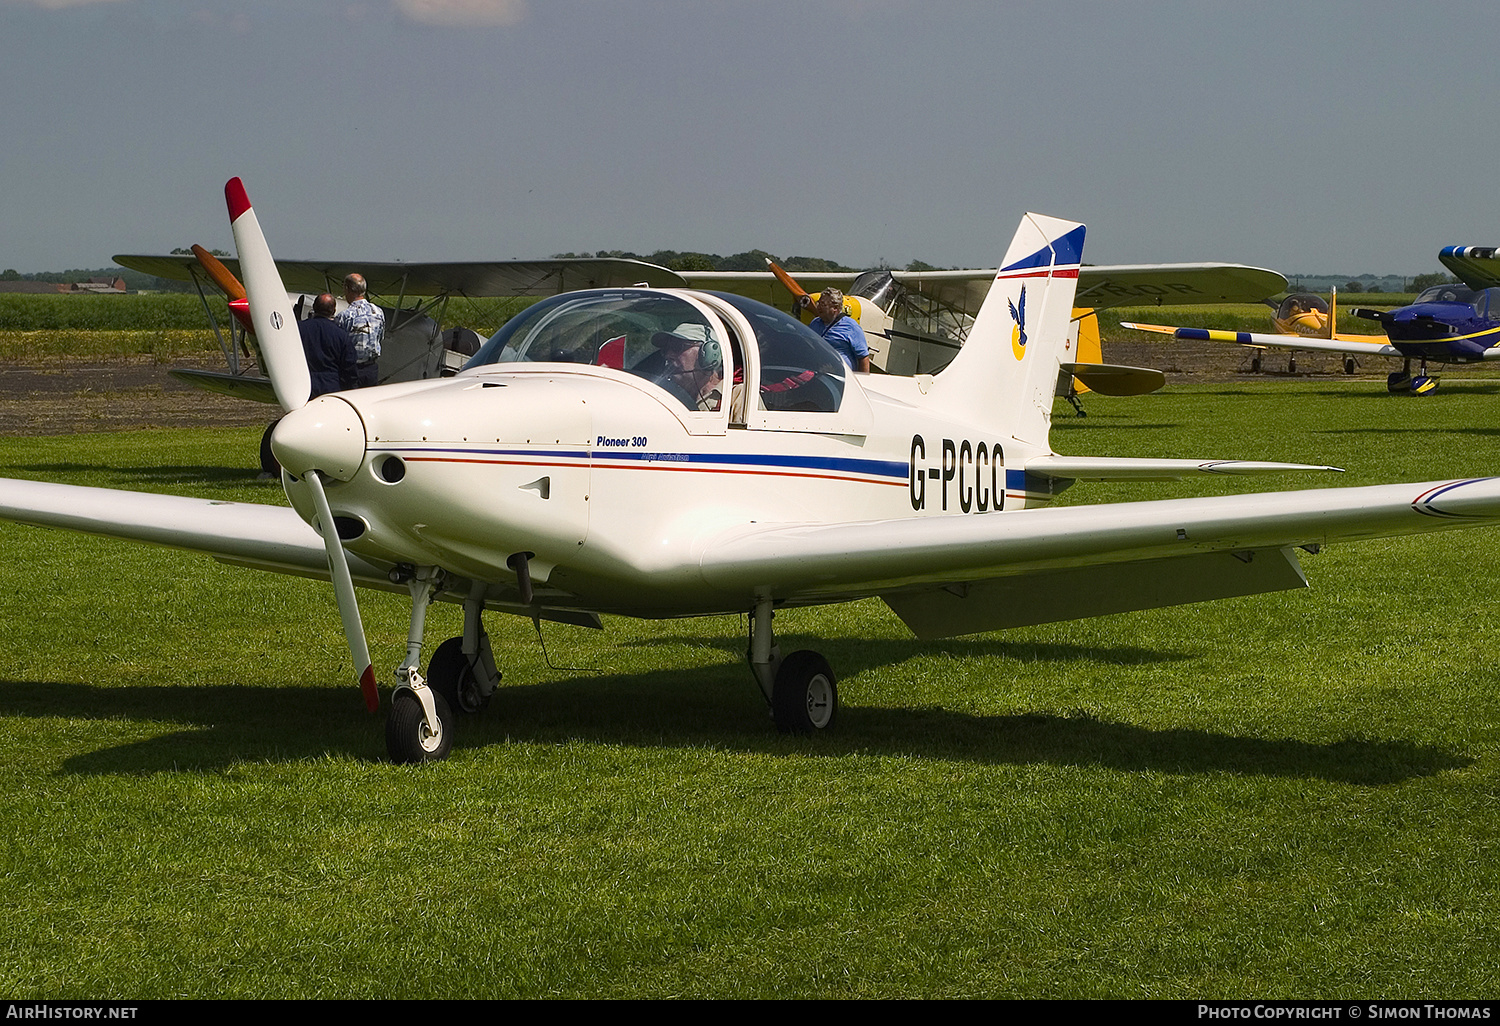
(1006,374)
(1333,314)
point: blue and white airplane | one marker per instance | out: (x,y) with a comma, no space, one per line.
(1453,323)
(666,452)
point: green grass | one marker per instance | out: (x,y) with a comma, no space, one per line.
(1282,796)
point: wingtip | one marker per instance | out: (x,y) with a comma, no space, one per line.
(236,197)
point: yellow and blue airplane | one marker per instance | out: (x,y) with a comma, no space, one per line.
(1450,323)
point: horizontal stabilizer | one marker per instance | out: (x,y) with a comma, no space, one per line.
(1108,379)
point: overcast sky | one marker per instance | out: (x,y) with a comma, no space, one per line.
(1311,137)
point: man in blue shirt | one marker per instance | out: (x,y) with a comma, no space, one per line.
(841,331)
(331,363)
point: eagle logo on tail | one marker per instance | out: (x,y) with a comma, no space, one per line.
(1018,333)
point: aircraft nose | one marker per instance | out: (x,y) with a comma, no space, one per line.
(326,435)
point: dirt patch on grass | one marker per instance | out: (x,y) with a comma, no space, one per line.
(68,396)
(72,395)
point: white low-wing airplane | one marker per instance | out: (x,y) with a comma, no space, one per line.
(671,452)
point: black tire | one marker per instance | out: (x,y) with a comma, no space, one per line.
(450,675)
(805,698)
(1348,365)
(407,739)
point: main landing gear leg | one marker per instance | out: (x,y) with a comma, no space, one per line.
(801,689)
(420,725)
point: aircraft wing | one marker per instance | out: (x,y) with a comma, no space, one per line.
(1476,266)
(951,575)
(1099,287)
(464,278)
(249,534)
(1114,468)
(271,537)
(1358,345)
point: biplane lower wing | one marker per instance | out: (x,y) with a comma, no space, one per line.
(236,386)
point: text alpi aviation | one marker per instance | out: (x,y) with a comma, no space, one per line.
(673,452)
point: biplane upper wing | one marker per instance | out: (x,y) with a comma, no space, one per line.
(462,278)
(1098,287)
(1476,266)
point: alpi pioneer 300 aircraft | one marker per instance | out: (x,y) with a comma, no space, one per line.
(673,452)
(1447,324)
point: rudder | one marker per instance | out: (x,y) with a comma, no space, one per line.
(1006,374)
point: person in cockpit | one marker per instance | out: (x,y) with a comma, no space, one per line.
(695,364)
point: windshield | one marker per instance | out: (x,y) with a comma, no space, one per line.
(798,370)
(650,334)
(1447,294)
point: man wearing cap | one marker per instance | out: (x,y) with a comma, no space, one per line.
(695,364)
(365,323)
(840,330)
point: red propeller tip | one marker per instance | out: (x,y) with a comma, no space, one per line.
(367,685)
(236,197)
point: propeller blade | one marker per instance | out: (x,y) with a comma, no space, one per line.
(343,588)
(796,290)
(270,310)
(220,274)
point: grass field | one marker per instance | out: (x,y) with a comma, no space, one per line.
(1290,796)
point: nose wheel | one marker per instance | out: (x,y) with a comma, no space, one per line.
(409,738)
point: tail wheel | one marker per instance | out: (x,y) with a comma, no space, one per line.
(805,699)
(450,675)
(408,739)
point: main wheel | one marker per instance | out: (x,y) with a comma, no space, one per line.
(1397,382)
(450,675)
(805,698)
(1423,385)
(407,737)
(1348,365)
